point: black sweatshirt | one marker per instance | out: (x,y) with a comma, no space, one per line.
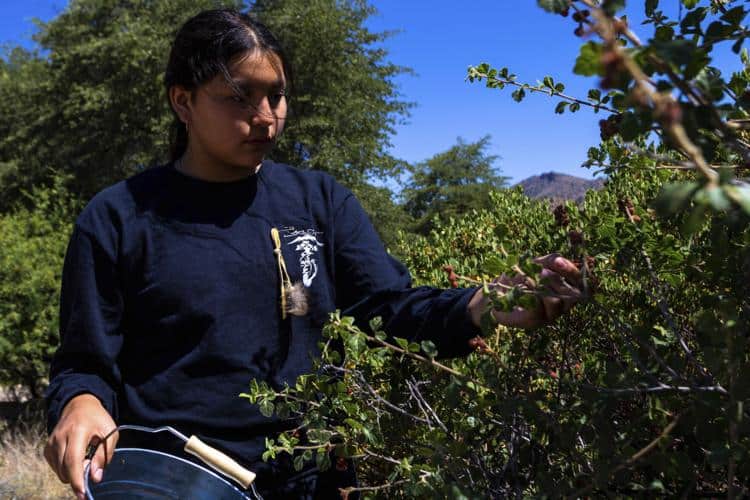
(170,298)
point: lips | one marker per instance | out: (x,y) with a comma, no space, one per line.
(259,140)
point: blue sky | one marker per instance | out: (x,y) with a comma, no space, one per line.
(439,39)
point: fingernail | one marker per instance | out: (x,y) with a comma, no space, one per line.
(80,496)
(98,473)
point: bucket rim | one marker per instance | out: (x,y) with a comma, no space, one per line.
(86,471)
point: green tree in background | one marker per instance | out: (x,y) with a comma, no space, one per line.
(452,182)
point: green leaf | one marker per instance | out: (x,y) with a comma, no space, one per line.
(402,343)
(429,348)
(554,6)
(548,82)
(675,197)
(717,199)
(651,6)
(266,408)
(560,108)
(610,7)
(299,462)
(689,3)
(735,15)
(323,460)
(740,195)
(376,323)
(589,58)
(518,95)
(676,51)
(493,265)
(695,220)
(574,106)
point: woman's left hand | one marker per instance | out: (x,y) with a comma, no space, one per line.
(563,285)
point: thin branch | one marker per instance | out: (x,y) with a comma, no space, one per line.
(351,489)
(659,388)
(415,392)
(417,357)
(374,394)
(548,91)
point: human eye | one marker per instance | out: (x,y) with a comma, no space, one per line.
(275,98)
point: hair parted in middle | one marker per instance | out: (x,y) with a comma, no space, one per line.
(205,46)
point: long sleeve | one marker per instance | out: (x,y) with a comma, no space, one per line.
(91,307)
(371,283)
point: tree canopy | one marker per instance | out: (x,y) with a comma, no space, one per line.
(452,182)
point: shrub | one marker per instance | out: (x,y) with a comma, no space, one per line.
(32,248)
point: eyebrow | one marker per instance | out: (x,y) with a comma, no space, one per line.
(246,86)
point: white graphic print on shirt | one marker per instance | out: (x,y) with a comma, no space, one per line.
(307,245)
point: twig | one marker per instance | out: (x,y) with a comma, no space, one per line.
(546,90)
(417,357)
(423,404)
(346,491)
(374,394)
(658,388)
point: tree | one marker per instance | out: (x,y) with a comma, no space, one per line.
(452,183)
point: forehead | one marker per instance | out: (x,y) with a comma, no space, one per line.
(256,69)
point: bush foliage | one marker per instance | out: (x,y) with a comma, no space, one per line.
(32,248)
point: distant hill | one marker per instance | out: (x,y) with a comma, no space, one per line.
(559,187)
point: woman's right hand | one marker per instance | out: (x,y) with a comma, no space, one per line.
(83,421)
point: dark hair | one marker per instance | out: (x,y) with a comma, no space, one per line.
(203,48)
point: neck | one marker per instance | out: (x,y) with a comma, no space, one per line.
(189,165)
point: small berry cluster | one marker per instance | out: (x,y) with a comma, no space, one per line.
(478,344)
(575,238)
(562,218)
(614,69)
(452,276)
(580,17)
(609,127)
(564,12)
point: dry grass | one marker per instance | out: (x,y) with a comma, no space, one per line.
(24,474)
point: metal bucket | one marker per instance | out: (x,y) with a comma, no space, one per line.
(138,473)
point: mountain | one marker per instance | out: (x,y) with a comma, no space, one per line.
(559,187)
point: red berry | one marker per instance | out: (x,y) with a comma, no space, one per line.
(562,219)
(478,344)
(575,237)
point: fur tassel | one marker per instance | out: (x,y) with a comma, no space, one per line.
(296,299)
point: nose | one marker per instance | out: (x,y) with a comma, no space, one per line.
(262,114)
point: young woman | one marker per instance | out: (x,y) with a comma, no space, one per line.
(184,282)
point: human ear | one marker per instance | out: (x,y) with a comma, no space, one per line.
(181,99)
